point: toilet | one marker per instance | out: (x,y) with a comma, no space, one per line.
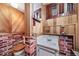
(18,50)
(19,53)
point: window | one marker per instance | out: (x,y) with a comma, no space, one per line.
(61,8)
(70,8)
(37,14)
(54,10)
(51,11)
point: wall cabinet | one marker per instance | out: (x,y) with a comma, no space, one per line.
(46,29)
(50,22)
(71,29)
(72,19)
(50,30)
(68,29)
(57,29)
(66,45)
(65,20)
(60,21)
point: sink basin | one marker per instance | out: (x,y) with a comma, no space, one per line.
(48,41)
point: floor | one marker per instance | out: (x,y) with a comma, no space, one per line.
(44,52)
(41,51)
(45,40)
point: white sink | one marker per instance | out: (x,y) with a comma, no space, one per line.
(48,41)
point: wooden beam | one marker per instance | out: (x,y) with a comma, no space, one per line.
(28,19)
(77,29)
(43,17)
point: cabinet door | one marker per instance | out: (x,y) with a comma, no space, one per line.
(66,29)
(46,29)
(71,29)
(57,29)
(52,30)
(72,19)
(60,21)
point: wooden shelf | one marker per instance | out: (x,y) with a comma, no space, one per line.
(59,35)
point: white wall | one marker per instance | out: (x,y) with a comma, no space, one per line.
(19,6)
(65,8)
(36,6)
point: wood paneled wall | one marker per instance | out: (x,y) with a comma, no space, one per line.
(77,29)
(37,29)
(66,21)
(28,19)
(18,25)
(11,19)
(5,20)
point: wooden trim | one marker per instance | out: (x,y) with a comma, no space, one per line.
(59,35)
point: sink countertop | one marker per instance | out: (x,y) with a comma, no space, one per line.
(44,41)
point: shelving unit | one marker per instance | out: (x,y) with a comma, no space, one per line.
(17,39)
(66,44)
(9,41)
(6,44)
(30,46)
